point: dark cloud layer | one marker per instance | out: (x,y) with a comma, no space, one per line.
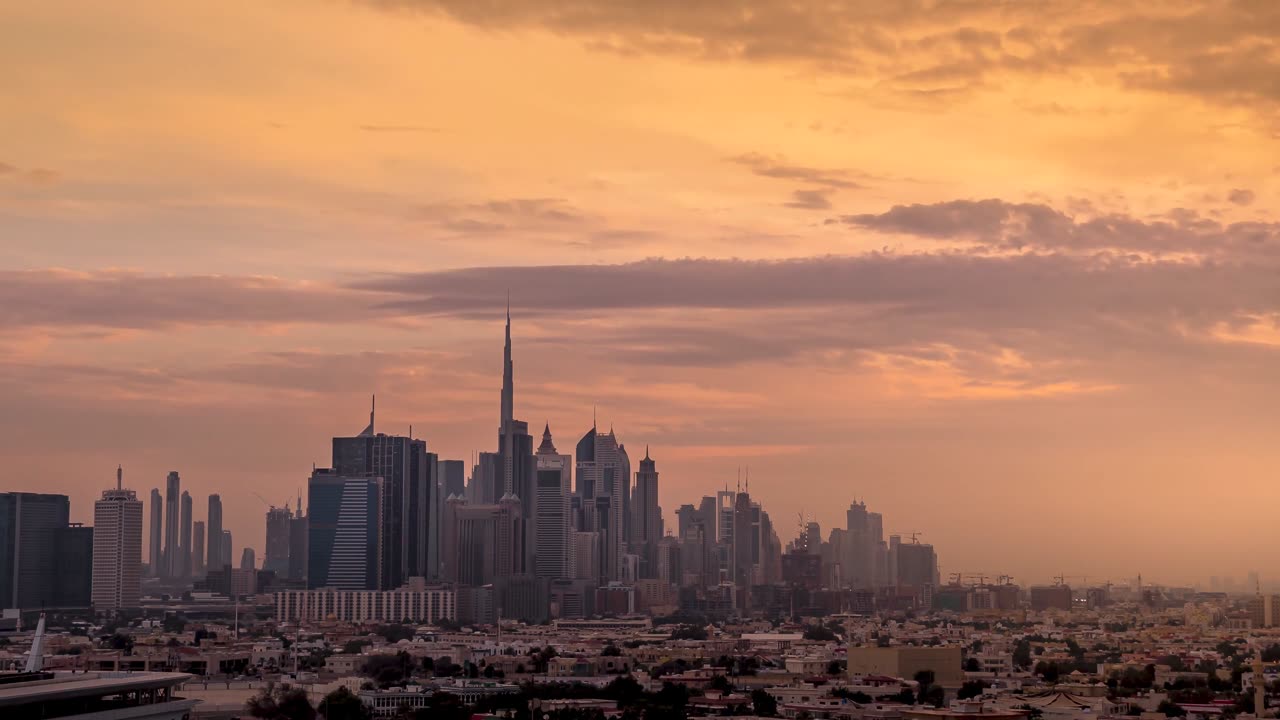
(773,167)
(1034,266)
(133,300)
(1223,50)
(809,200)
(1001,225)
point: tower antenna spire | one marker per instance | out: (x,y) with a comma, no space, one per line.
(119,477)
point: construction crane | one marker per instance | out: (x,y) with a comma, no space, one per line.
(913,534)
(1062,579)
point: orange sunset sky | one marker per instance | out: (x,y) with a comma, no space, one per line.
(1007,271)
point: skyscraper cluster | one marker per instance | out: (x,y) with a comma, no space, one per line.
(530,533)
(857,557)
(387,510)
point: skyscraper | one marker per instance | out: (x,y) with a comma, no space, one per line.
(184,536)
(248,560)
(646,523)
(343,516)
(29,522)
(452,478)
(276,547)
(170,561)
(515,457)
(551,510)
(214,534)
(482,542)
(406,493)
(298,528)
(117,549)
(73,548)
(600,481)
(225,552)
(156,548)
(197,548)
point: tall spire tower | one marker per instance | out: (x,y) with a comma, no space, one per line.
(508,389)
(515,466)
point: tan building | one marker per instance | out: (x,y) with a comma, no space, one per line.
(905,661)
(1264,611)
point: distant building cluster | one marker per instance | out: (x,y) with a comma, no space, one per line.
(529,533)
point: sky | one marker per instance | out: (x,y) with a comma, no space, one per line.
(1008,272)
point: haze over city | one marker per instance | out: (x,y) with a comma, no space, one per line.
(1005,272)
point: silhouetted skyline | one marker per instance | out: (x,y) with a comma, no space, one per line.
(957,262)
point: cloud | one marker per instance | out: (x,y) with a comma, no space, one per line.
(1240,197)
(117,299)
(774,167)
(809,200)
(1219,50)
(35,176)
(493,216)
(1005,226)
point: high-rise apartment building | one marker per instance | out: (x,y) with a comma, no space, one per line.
(184,536)
(248,559)
(298,528)
(646,521)
(916,564)
(551,520)
(117,549)
(155,566)
(453,478)
(602,478)
(408,492)
(343,515)
(29,523)
(482,543)
(214,535)
(73,547)
(226,551)
(171,560)
(197,548)
(279,522)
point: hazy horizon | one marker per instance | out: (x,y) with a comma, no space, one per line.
(1005,272)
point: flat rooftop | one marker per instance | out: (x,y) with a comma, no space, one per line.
(91,684)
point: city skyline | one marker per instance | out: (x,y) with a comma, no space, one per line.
(1003,271)
(594,472)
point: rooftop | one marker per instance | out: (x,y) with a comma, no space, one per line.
(60,686)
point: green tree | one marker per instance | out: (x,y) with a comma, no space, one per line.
(1022,653)
(972,665)
(763,703)
(1170,709)
(279,703)
(689,632)
(855,696)
(396,633)
(342,704)
(1048,670)
(819,633)
(174,622)
(904,696)
(120,641)
(971,689)
(355,647)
